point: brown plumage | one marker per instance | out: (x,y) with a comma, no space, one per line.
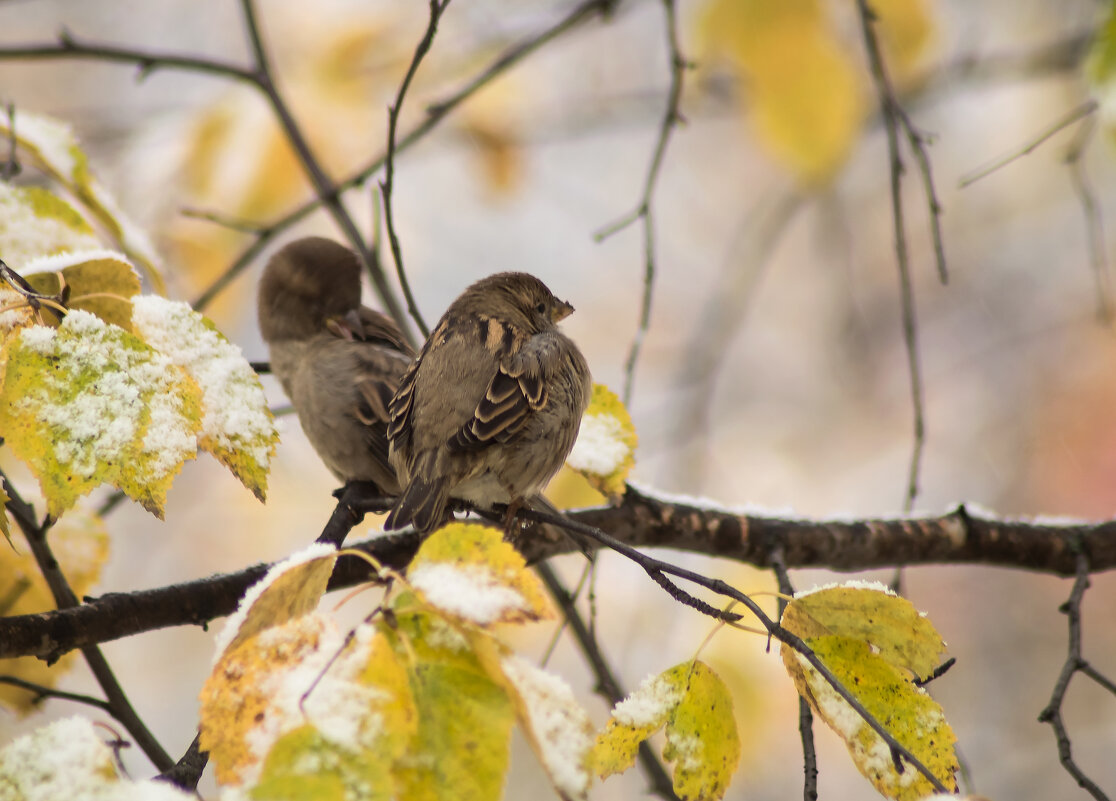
(339,362)
(491,407)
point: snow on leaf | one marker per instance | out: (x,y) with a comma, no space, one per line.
(694,705)
(557,727)
(237,426)
(605,449)
(890,624)
(51,144)
(468,571)
(99,281)
(35,222)
(91,403)
(66,759)
(908,713)
(80,543)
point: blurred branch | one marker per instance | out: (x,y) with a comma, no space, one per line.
(388,183)
(643,211)
(436,112)
(1074,663)
(641,519)
(894,117)
(1094,220)
(117,703)
(43,692)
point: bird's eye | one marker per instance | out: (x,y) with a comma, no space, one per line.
(541,307)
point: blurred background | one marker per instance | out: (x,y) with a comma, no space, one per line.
(774,373)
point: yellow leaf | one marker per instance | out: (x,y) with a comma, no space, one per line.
(805,89)
(237,427)
(908,713)
(460,748)
(100,282)
(489,122)
(893,627)
(91,403)
(4,522)
(80,544)
(53,146)
(468,571)
(605,449)
(696,708)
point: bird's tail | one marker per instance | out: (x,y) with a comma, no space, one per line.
(422,505)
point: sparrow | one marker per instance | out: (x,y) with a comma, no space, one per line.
(339,362)
(489,411)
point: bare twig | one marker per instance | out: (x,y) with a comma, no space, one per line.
(805,716)
(388,183)
(893,119)
(607,685)
(1074,663)
(644,211)
(1068,119)
(118,704)
(586,10)
(10,168)
(43,692)
(224,220)
(1094,220)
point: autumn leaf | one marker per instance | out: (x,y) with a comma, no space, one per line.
(605,449)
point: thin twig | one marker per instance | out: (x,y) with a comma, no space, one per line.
(11,167)
(224,220)
(892,121)
(1074,663)
(607,685)
(660,571)
(1094,220)
(436,112)
(328,192)
(644,211)
(388,183)
(42,692)
(1078,113)
(119,705)
(805,715)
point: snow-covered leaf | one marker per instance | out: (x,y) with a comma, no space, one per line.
(605,449)
(237,426)
(90,403)
(36,222)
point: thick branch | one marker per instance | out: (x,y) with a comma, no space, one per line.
(640,520)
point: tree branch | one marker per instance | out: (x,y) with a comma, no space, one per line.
(642,520)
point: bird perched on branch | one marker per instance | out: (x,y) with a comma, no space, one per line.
(339,362)
(491,407)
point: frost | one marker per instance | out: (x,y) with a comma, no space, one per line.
(236,619)
(560,726)
(649,704)
(469,591)
(600,448)
(33,223)
(854,584)
(60,261)
(53,140)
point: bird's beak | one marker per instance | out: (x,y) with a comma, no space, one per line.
(560,310)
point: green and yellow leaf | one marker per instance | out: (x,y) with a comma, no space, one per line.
(35,222)
(605,449)
(237,426)
(90,403)
(905,710)
(702,741)
(100,282)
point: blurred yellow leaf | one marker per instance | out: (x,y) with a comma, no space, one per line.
(468,571)
(605,449)
(905,29)
(805,90)
(90,403)
(100,282)
(908,713)
(4,520)
(81,545)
